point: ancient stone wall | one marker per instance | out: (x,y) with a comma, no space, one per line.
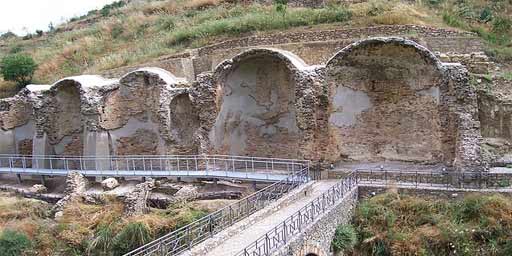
(495,114)
(379,99)
(385,97)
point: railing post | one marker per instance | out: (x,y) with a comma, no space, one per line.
(210,225)
(284,232)
(267,245)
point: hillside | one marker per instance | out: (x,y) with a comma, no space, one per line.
(123,34)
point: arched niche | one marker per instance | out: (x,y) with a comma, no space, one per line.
(256,96)
(184,122)
(65,129)
(16,124)
(137,114)
(386,103)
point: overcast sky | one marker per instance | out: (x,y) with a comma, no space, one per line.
(15,15)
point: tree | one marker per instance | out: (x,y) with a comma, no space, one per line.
(8,35)
(18,68)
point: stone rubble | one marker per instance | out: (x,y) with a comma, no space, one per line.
(76,187)
(109,184)
(135,202)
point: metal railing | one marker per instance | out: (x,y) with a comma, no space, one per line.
(166,165)
(458,180)
(294,224)
(188,236)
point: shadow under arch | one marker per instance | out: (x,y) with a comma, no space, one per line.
(256,112)
(386,103)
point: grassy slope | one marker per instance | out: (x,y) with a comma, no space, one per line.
(392,224)
(140,32)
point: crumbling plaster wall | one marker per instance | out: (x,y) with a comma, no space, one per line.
(259,98)
(16,124)
(145,115)
(495,114)
(392,99)
(385,102)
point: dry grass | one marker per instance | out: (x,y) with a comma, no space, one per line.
(80,220)
(202,4)
(410,225)
(379,12)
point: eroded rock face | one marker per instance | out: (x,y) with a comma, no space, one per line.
(385,103)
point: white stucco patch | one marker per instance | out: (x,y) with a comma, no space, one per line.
(348,103)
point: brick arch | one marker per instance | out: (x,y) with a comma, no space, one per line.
(310,249)
(386,103)
(256,104)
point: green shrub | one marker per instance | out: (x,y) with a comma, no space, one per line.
(166,23)
(434,2)
(345,238)
(508,76)
(501,25)
(453,20)
(102,241)
(18,68)
(486,15)
(116,31)
(470,208)
(507,249)
(133,235)
(105,11)
(13,243)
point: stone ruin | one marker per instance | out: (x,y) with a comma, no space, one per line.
(378,99)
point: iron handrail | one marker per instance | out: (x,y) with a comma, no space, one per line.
(150,165)
(184,238)
(294,224)
(457,180)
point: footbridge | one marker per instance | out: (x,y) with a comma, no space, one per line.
(299,215)
(191,166)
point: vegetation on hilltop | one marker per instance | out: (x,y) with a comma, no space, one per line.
(126,34)
(393,224)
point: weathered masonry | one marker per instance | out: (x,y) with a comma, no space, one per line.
(377,99)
